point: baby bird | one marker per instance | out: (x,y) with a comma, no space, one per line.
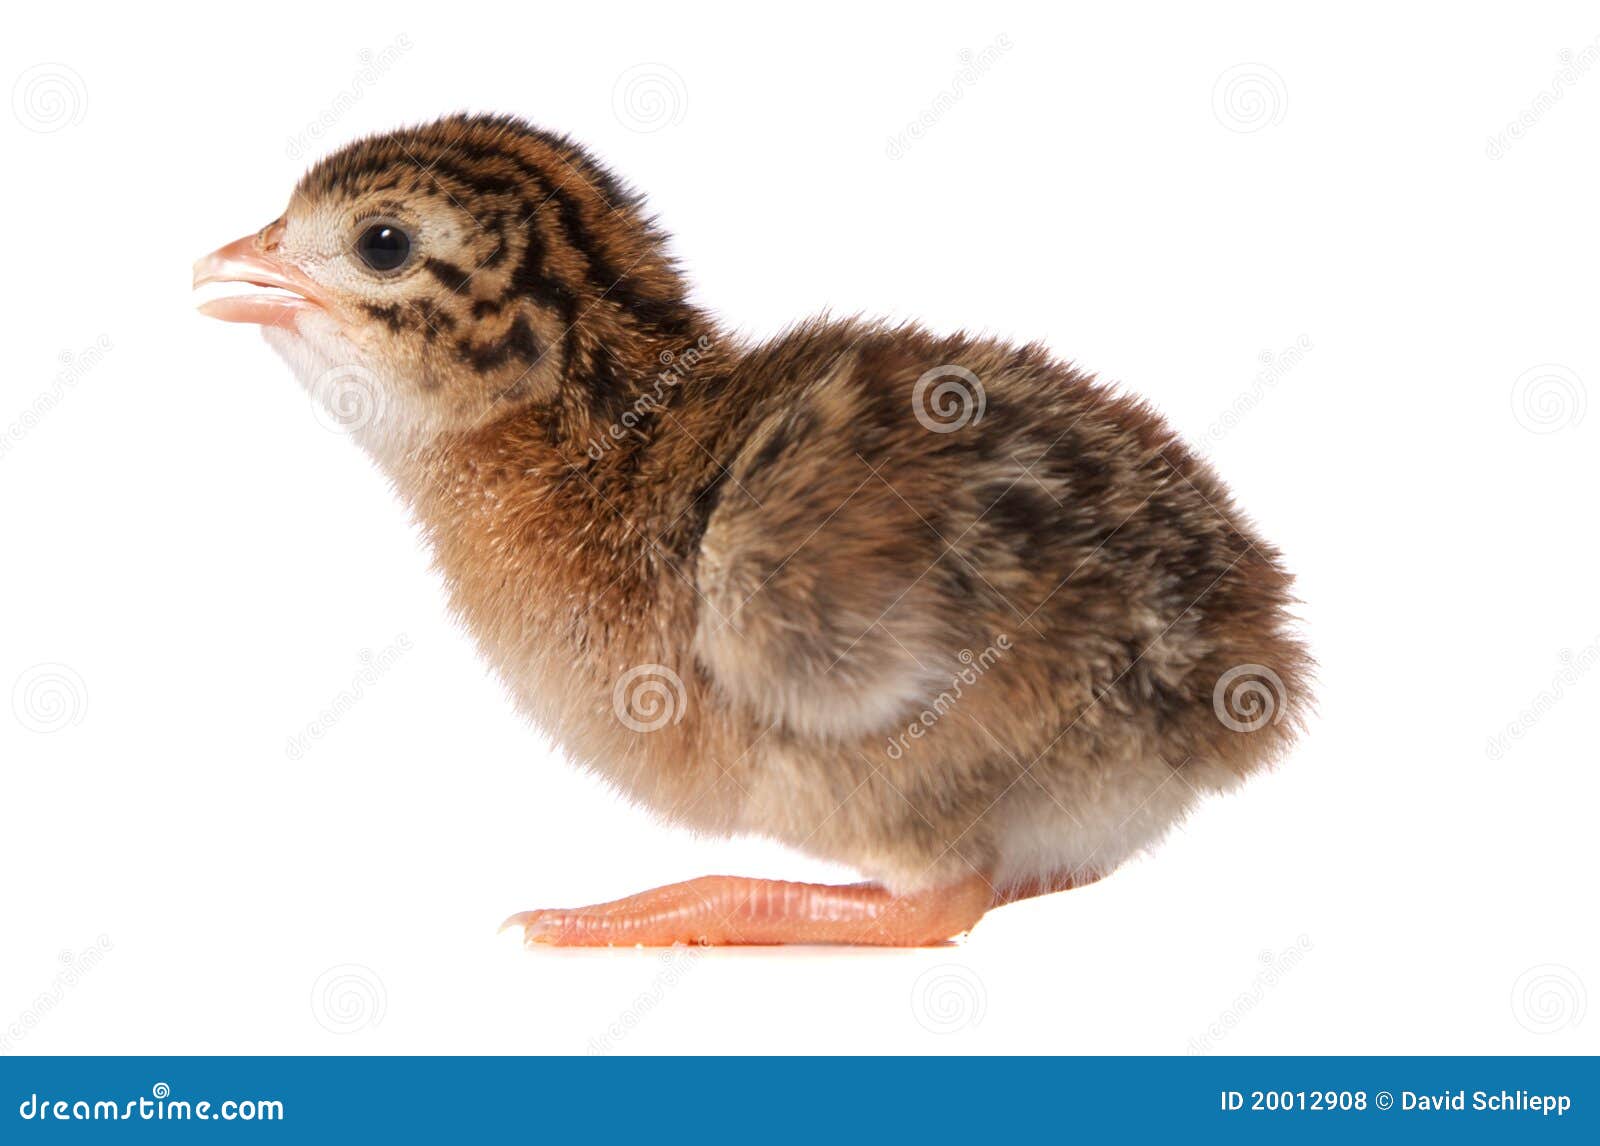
(936,607)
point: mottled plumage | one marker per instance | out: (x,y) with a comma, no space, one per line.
(928,605)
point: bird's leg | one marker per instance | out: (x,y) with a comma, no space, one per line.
(719,910)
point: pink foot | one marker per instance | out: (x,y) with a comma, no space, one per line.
(718,910)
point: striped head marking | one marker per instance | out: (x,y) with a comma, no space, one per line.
(457,271)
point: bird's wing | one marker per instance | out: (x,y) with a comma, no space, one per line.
(831,601)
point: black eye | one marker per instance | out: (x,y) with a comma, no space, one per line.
(383,246)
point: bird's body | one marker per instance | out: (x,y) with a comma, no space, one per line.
(936,607)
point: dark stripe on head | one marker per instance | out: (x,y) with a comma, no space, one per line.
(518,342)
(669,315)
(388,315)
(450,276)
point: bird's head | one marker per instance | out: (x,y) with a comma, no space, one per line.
(434,279)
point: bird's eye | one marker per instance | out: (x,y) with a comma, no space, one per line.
(383,246)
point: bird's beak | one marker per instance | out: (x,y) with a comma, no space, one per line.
(254,260)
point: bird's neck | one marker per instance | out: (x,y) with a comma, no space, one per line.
(567,537)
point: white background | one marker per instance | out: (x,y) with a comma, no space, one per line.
(208,562)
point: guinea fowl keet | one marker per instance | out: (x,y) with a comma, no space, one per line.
(937,607)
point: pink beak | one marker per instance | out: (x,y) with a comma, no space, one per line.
(253,259)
